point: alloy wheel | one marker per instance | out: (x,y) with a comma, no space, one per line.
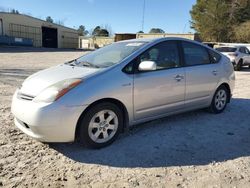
(220,99)
(103,126)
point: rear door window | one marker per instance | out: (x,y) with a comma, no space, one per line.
(195,54)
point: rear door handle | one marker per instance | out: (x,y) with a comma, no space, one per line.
(178,78)
(215,72)
(127,84)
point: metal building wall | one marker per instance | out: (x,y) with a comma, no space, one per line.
(159,35)
(24,31)
(24,26)
(70,39)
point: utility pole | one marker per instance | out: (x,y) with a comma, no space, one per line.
(143,14)
(184,28)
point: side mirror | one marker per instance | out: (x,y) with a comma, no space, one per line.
(147,66)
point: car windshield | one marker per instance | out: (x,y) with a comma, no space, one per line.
(108,55)
(226,49)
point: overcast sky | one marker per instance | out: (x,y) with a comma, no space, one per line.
(121,15)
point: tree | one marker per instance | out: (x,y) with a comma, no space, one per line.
(243,13)
(98,31)
(215,20)
(103,33)
(242,32)
(211,20)
(82,31)
(60,22)
(140,32)
(156,30)
(49,19)
(14,11)
(108,28)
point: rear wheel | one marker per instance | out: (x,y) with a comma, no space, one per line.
(238,65)
(220,99)
(101,125)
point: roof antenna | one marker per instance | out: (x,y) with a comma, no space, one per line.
(143,14)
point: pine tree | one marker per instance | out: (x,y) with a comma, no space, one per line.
(218,20)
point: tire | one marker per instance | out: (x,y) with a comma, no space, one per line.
(220,100)
(101,125)
(238,66)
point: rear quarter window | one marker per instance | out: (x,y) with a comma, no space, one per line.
(214,56)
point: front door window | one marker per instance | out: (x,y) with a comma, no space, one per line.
(165,55)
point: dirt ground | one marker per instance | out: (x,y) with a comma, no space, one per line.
(195,149)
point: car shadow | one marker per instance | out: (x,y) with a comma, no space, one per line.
(193,138)
(245,69)
(21,49)
(23,73)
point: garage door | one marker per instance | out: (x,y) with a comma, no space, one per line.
(49,37)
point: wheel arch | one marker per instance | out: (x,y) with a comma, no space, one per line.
(226,85)
(240,60)
(111,100)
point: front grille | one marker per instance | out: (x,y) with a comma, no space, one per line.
(24,96)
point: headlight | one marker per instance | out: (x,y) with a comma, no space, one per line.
(54,92)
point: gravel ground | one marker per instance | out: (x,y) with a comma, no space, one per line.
(195,149)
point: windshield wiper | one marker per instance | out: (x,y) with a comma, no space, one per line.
(71,63)
(87,64)
(84,63)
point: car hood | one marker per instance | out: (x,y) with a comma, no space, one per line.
(37,82)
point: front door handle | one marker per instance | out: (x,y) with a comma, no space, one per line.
(178,78)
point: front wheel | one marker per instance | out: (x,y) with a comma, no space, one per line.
(220,99)
(101,125)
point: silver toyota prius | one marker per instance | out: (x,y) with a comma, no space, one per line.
(95,97)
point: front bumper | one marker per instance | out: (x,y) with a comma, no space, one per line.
(46,122)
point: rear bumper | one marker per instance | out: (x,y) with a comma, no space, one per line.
(46,122)
(232,59)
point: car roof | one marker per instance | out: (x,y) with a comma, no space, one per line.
(240,46)
(153,39)
(161,40)
(227,47)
